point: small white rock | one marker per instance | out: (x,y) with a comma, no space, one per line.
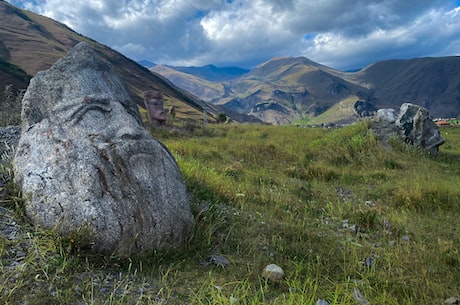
(273,272)
(452,300)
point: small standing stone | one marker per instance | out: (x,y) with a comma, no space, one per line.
(273,273)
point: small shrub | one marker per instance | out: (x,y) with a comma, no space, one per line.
(391,163)
(315,171)
(221,118)
(234,170)
(369,219)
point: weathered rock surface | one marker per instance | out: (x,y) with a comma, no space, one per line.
(273,273)
(417,128)
(452,300)
(86,164)
(412,125)
(386,115)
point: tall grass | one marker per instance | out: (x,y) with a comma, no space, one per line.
(335,209)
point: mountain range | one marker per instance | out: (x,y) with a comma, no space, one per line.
(289,90)
(283,90)
(30,43)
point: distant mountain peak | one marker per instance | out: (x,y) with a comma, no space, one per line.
(146,63)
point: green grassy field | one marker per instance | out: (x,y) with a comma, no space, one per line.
(332,207)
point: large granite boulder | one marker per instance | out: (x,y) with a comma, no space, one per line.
(87,166)
(416,127)
(412,125)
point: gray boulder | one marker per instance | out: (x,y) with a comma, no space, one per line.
(417,128)
(88,167)
(412,125)
(383,125)
(386,115)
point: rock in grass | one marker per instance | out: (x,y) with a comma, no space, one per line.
(452,300)
(218,260)
(359,297)
(90,170)
(273,273)
(417,127)
(413,125)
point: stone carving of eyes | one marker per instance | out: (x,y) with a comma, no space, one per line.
(99,108)
(153,102)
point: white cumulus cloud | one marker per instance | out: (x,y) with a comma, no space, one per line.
(340,33)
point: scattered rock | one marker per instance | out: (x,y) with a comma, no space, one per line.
(321,302)
(405,238)
(359,298)
(217,260)
(369,262)
(273,273)
(344,194)
(451,300)
(387,226)
(88,167)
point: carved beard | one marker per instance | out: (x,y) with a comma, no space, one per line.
(138,166)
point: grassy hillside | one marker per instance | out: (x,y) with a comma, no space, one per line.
(333,208)
(342,112)
(206,90)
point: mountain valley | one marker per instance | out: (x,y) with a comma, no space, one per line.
(297,90)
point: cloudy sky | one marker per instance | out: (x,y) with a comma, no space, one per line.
(344,34)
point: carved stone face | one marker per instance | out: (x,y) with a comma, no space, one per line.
(87,162)
(155,109)
(153,101)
